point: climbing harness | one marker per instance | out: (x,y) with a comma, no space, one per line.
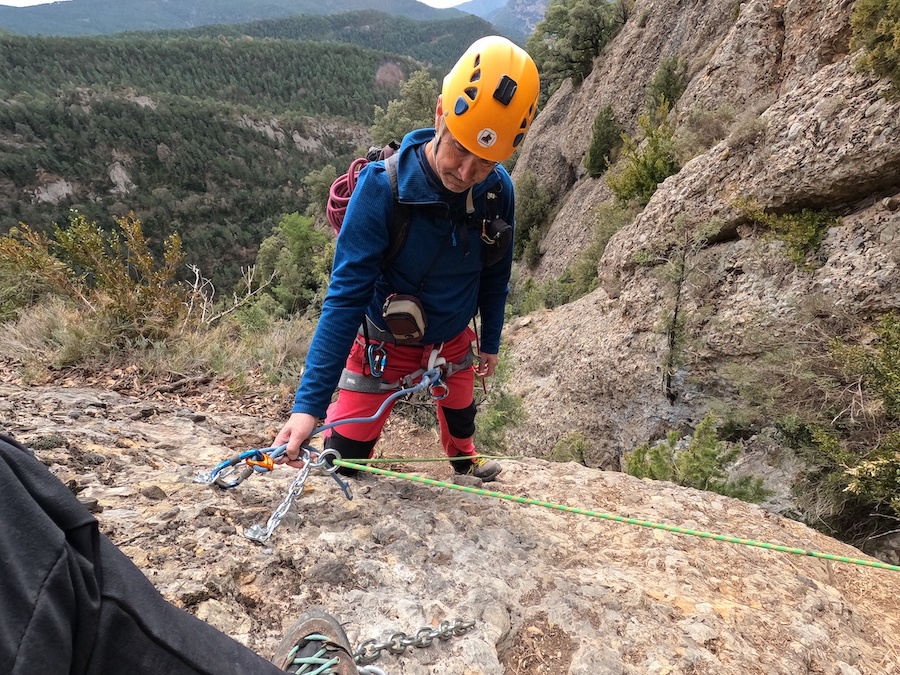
(377,360)
(235,470)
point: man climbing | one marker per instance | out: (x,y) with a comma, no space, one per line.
(71,603)
(398,318)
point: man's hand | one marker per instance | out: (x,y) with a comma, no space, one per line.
(295,432)
(487,364)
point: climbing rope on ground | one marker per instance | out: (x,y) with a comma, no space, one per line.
(619,519)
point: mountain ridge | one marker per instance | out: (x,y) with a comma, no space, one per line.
(100,17)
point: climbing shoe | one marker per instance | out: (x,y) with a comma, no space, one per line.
(480,467)
(315,645)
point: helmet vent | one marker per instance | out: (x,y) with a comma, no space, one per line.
(471,92)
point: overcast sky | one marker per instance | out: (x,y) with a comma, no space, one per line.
(26,3)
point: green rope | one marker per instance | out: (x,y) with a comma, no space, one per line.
(409,460)
(619,519)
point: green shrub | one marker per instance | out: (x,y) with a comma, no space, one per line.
(414,109)
(572,33)
(570,448)
(700,465)
(835,405)
(528,295)
(113,277)
(533,208)
(644,164)
(883,365)
(876,30)
(667,84)
(498,409)
(802,231)
(878,480)
(317,185)
(299,255)
(605,139)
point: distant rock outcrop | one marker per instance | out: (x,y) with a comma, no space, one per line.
(805,130)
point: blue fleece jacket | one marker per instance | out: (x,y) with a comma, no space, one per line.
(440,264)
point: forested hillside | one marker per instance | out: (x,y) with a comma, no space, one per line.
(102,17)
(276,75)
(210,137)
(436,42)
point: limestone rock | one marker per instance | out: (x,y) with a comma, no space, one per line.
(549,591)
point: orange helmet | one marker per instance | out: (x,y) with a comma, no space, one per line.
(490,98)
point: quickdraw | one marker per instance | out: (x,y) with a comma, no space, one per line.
(236,469)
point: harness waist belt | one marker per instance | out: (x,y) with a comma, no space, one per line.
(375,385)
(377,334)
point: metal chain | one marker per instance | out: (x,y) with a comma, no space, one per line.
(371,650)
(261,534)
(323,461)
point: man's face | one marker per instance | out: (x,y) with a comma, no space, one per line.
(458,168)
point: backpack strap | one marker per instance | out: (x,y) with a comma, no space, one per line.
(400,226)
(390,165)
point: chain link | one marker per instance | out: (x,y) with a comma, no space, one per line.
(371,650)
(261,534)
(322,462)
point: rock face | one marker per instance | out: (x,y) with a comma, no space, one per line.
(549,591)
(805,130)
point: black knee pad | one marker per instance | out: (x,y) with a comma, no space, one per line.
(461,421)
(349,450)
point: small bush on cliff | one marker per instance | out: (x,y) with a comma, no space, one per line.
(571,35)
(100,301)
(876,30)
(112,277)
(570,448)
(528,295)
(298,256)
(802,231)
(606,138)
(668,83)
(498,409)
(645,161)
(836,403)
(874,474)
(414,109)
(700,465)
(534,206)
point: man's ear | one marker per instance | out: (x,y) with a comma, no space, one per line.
(438,111)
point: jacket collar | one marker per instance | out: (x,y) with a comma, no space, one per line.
(412,183)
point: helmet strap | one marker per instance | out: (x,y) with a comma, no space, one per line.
(437,136)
